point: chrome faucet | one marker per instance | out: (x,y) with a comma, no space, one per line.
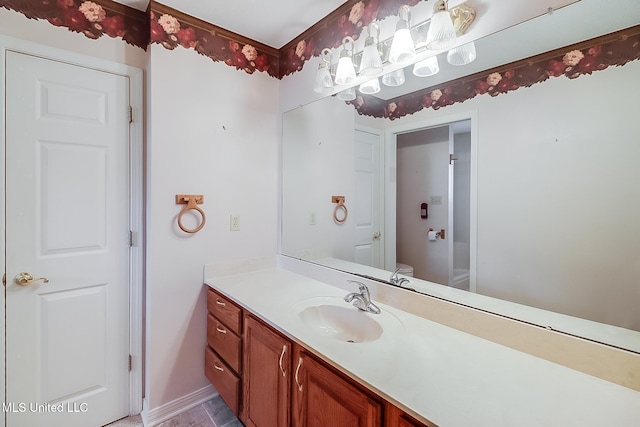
(362,300)
(398,281)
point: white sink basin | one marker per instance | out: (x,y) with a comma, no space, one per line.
(333,318)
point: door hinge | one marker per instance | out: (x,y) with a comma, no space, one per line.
(133,239)
(4,279)
(130,114)
(130,363)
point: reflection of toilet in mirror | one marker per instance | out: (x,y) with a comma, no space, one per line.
(404,269)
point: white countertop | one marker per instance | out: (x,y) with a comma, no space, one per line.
(437,373)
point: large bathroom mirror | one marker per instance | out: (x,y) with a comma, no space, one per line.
(531,197)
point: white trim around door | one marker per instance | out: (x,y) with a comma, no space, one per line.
(390,156)
(136,199)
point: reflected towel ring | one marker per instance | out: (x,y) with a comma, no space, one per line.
(340,204)
(192,204)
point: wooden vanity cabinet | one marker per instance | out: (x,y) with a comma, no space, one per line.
(267,376)
(270,382)
(323,397)
(223,355)
(396,417)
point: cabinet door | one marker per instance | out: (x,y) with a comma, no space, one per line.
(322,397)
(395,417)
(267,369)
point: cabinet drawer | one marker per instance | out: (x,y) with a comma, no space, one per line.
(223,379)
(225,311)
(227,344)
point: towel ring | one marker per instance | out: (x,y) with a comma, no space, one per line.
(191,205)
(340,204)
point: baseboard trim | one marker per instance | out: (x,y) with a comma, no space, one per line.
(162,413)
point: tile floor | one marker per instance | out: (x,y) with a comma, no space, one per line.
(213,413)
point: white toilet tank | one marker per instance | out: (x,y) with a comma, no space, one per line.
(404,269)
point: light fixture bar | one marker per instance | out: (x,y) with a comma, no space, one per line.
(366,62)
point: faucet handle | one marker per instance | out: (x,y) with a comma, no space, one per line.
(361,286)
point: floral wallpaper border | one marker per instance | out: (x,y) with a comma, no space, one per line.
(171,28)
(91,18)
(615,49)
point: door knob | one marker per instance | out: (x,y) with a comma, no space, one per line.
(24,279)
(376,235)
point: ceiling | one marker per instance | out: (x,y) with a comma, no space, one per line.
(272,22)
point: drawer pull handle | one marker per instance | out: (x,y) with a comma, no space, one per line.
(297,371)
(284,350)
(215,365)
(220,303)
(221,330)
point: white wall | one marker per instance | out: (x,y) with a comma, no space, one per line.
(212,131)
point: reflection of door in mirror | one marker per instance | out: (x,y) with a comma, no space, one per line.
(368,198)
(433,164)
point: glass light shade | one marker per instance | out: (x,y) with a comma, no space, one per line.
(345,73)
(402,49)
(323,83)
(441,33)
(347,94)
(370,87)
(371,63)
(426,67)
(462,55)
(394,78)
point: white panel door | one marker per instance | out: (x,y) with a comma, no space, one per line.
(367,208)
(67,220)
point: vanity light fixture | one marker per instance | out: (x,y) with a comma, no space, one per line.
(462,55)
(441,34)
(324,81)
(348,94)
(402,50)
(437,33)
(394,78)
(426,67)
(346,72)
(370,87)
(371,63)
